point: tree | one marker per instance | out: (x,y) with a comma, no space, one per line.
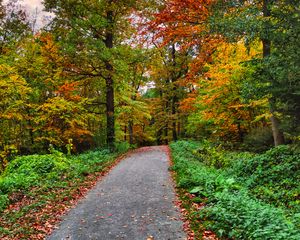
(185,24)
(133,112)
(181,28)
(14,95)
(14,25)
(92,35)
(275,24)
(61,119)
(168,70)
(222,110)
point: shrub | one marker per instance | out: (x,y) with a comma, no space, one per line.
(51,170)
(258,140)
(211,155)
(273,176)
(230,191)
(122,147)
(239,216)
(3,201)
(26,171)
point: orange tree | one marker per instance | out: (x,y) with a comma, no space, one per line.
(182,29)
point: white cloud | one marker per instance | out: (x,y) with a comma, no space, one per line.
(35,10)
(30,4)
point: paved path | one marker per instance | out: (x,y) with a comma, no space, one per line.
(134,202)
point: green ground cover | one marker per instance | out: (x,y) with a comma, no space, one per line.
(35,189)
(246,196)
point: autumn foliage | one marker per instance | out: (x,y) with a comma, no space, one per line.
(111,75)
(184,23)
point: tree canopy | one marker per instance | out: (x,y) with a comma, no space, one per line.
(149,72)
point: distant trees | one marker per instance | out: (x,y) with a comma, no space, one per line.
(168,70)
(180,29)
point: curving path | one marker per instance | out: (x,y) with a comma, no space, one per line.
(134,202)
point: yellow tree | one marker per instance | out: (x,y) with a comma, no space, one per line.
(221,108)
(14,102)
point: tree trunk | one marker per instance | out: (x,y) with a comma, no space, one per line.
(174,97)
(166,128)
(125,133)
(110,110)
(174,130)
(277,133)
(130,130)
(240,132)
(158,137)
(178,129)
(110,106)
(166,135)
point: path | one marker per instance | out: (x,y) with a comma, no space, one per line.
(134,202)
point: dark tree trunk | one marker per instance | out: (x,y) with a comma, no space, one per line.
(159,132)
(174,97)
(174,130)
(110,106)
(166,128)
(130,123)
(174,121)
(130,130)
(240,131)
(158,137)
(125,133)
(277,133)
(31,136)
(178,129)
(110,110)
(166,133)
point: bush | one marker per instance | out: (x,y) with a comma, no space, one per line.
(3,201)
(51,170)
(258,140)
(122,147)
(26,171)
(230,191)
(90,162)
(273,176)
(211,155)
(239,216)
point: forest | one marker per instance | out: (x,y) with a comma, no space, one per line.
(217,81)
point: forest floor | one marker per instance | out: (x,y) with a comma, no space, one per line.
(135,201)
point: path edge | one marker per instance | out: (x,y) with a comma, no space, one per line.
(179,203)
(91,184)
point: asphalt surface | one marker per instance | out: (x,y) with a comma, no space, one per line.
(134,201)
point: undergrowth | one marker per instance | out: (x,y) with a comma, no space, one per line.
(35,181)
(247,196)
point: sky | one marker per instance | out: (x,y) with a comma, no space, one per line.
(34,7)
(33,3)
(30,5)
